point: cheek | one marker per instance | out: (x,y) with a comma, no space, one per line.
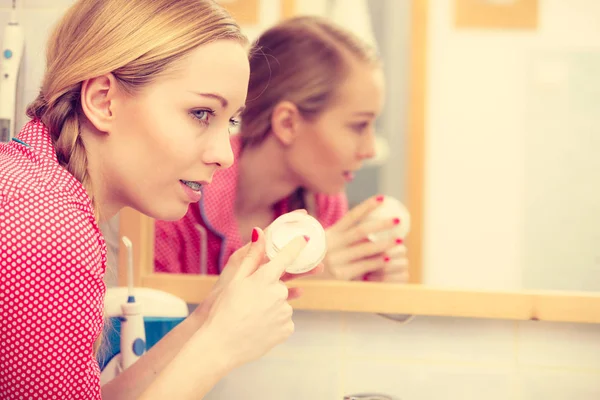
(153,145)
(315,150)
(170,133)
(337,148)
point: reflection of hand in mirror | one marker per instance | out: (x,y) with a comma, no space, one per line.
(351,256)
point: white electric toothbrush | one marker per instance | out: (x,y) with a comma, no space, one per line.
(133,333)
(12,53)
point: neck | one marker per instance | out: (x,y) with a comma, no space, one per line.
(261,185)
(106,200)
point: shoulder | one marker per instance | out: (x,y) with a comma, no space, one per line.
(52,226)
(24,171)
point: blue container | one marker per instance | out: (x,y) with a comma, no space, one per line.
(161,312)
(156,329)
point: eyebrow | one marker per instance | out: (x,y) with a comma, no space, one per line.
(215,96)
(221,99)
(364,113)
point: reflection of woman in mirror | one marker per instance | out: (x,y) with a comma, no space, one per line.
(314,94)
(137,96)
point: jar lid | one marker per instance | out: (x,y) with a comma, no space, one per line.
(289,226)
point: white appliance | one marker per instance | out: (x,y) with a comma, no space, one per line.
(139,317)
(13,46)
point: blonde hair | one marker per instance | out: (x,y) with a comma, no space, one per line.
(136,41)
(302,60)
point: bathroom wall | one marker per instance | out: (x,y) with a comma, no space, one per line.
(332,354)
(511,152)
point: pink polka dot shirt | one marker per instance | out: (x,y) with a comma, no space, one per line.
(52,262)
(204,239)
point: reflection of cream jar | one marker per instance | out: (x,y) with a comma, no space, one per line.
(289,226)
(390,209)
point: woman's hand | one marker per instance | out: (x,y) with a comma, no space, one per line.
(248,309)
(351,256)
(236,259)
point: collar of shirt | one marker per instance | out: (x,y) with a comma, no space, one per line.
(37,135)
(40,150)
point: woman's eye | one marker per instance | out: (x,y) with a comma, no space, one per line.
(360,127)
(202,116)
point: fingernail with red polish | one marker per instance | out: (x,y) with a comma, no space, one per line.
(399,241)
(396,221)
(379,198)
(254,235)
(306,238)
(386,259)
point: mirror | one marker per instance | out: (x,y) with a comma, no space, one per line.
(491,143)
(222,220)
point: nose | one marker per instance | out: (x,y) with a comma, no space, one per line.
(218,151)
(367,148)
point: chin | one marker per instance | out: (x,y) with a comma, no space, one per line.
(165,211)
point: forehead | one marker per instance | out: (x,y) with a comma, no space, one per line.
(221,66)
(362,90)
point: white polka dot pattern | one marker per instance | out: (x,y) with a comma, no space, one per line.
(177,244)
(52,261)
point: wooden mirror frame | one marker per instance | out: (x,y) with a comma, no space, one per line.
(413,298)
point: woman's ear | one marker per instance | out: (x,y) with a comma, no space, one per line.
(285,122)
(97,99)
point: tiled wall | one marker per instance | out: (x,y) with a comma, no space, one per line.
(332,354)
(428,358)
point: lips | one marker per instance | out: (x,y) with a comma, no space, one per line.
(194,185)
(349,176)
(193,189)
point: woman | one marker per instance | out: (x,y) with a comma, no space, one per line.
(315,92)
(135,105)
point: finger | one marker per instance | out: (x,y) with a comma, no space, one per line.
(358,269)
(288,254)
(369,249)
(282,291)
(315,271)
(394,268)
(398,251)
(357,213)
(396,263)
(238,255)
(391,272)
(294,293)
(392,277)
(254,255)
(363,230)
